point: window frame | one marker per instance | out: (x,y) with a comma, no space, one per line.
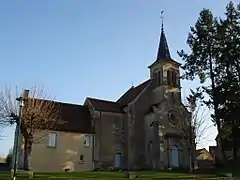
(81,159)
(173,76)
(159,77)
(169,77)
(150,144)
(87,138)
(52,144)
(162,151)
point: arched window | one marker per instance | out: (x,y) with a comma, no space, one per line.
(150,147)
(159,78)
(177,79)
(169,77)
(174,78)
(81,158)
(162,151)
(155,78)
(161,146)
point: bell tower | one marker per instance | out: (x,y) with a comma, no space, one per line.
(165,71)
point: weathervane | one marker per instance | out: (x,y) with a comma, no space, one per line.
(162,18)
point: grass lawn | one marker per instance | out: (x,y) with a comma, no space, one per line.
(107,176)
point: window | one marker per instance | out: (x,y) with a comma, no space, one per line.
(87,139)
(162,151)
(81,159)
(150,147)
(155,76)
(169,77)
(52,139)
(174,78)
(161,146)
(159,78)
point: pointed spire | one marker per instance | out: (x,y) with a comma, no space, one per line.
(163,50)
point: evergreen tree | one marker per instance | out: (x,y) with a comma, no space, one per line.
(202,63)
(215,58)
(228,82)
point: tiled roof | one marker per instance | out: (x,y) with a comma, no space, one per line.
(132,93)
(199,151)
(105,106)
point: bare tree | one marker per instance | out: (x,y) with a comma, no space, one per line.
(193,129)
(39,112)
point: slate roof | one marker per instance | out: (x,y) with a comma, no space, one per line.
(132,93)
(163,50)
(125,99)
(163,53)
(73,117)
(77,118)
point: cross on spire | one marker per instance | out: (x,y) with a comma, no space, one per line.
(162,18)
(163,50)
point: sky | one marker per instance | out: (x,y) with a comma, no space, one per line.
(82,48)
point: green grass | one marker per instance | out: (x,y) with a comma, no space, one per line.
(234,170)
(108,176)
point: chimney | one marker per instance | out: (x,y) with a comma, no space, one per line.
(25,93)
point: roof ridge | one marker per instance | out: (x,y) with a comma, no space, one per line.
(59,102)
(142,83)
(101,100)
(69,103)
(132,90)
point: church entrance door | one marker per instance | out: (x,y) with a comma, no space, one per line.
(175,157)
(117,160)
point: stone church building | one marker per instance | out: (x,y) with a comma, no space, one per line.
(139,129)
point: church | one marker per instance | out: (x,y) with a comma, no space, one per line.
(137,131)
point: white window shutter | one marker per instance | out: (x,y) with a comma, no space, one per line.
(52,139)
(87,140)
(49,139)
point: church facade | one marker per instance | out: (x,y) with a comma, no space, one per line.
(138,130)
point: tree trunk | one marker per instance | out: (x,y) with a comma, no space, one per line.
(223,158)
(215,104)
(235,144)
(27,152)
(25,162)
(190,160)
